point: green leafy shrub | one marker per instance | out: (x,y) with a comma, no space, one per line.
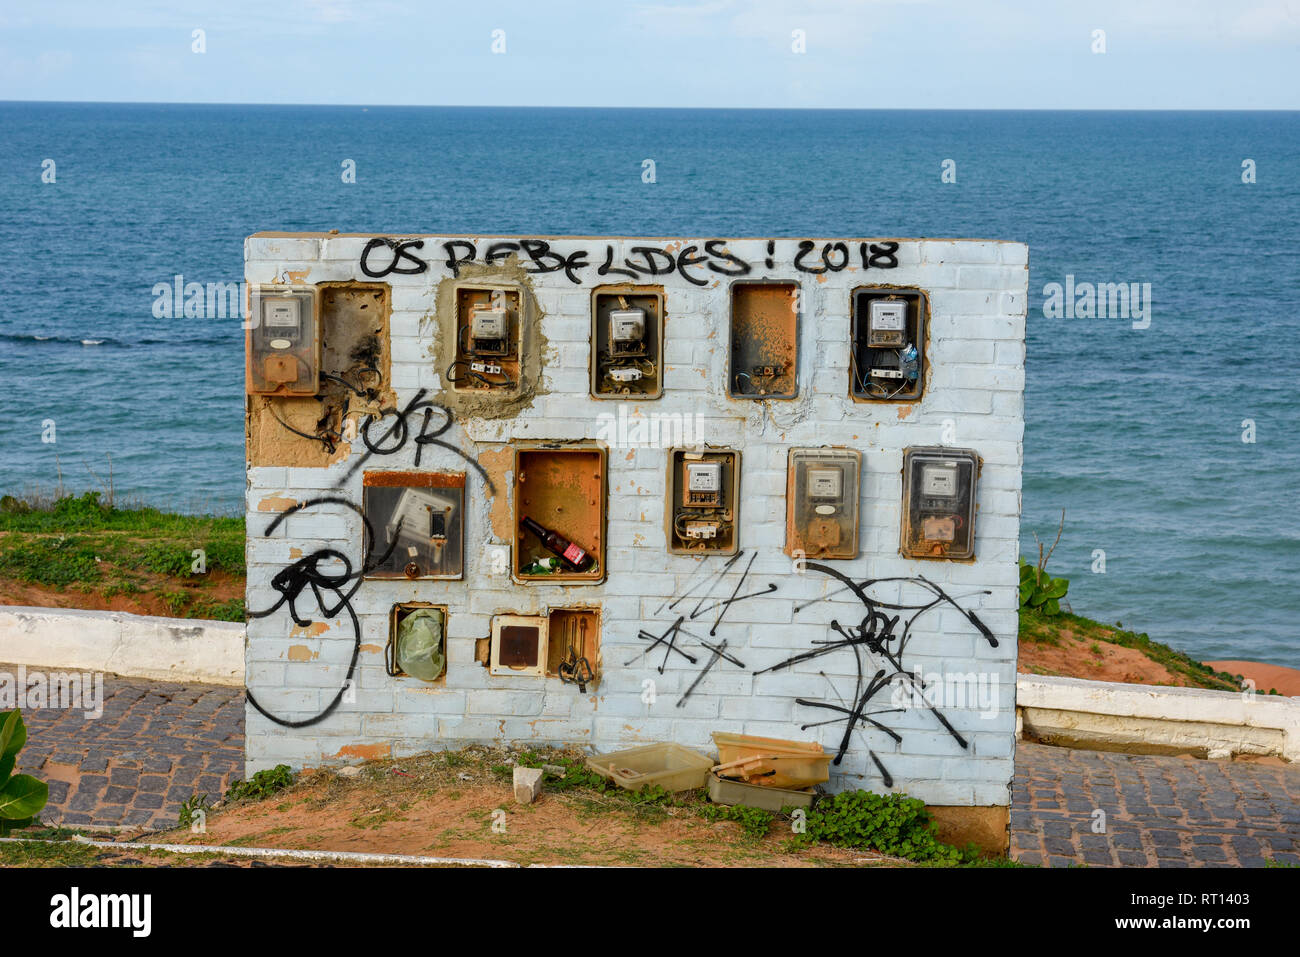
(755,822)
(1040,591)
(261,785)
(21,795)
(889,823)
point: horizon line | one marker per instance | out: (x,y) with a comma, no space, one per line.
(789,109)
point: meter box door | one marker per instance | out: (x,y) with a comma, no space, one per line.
(887,352)
(627,342)
(519,645)
(939,503)
(764,349)
(559,513)
(282,343)
(418,520)
(822,495)
(489,340)
(703,510)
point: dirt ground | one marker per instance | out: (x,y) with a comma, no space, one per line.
(1074,658)
(451,805)
(216,587)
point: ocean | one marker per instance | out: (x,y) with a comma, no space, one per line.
(1136,432)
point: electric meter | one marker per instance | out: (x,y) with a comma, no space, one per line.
(939,503)
(489,329)
(703,483)
(703,499)
(887,324)
(627,330)
(283,341)
(822,492)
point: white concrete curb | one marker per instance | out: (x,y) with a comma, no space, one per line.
(349,857)
(164,649)
(1132,717)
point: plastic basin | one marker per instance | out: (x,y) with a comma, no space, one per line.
(669,766)
(772,762)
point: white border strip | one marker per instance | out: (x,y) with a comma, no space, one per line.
(352,857)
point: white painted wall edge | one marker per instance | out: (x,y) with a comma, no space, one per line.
(1171,707)
(139,646)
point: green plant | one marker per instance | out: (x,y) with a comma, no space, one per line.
(261,785)
(889,823)
(755,822)
(195,802)
(21,795)
(1038,589)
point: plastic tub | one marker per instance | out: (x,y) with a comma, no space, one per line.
(670,766)
(772,762)
(753,795)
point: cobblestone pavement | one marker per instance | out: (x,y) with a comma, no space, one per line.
(1160,811)
(158,743)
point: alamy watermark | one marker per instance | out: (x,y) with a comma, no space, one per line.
(658,430)
(1102,300)
(977,690)
(67,691)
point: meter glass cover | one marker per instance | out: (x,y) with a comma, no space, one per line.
(824,483)
(888,316)
(704,477)
(939,481)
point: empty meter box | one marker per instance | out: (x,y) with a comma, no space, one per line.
(283,341)
(627,334)
(488,346)
(418,523)
(887,354)
(764,351)
(822,495)
(704,501)
(939,503)
(519,645)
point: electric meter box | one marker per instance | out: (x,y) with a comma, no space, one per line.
(627,342)
(764,348)
(822,497)
(519,645)
(887,349)
(939,503)
(489,332)
(703,511)
(283,341)
(418,520)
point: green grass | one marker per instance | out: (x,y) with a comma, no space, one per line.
(84,543)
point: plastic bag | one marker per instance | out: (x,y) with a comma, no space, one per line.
(419,644)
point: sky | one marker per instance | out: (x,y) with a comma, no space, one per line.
(911,54)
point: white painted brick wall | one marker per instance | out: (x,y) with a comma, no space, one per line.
(976,380)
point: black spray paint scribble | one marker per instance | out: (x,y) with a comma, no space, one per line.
(694,263)
(876,632)
(291,581)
